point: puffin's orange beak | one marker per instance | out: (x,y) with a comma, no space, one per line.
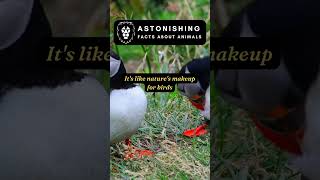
(278,112)
(289,141)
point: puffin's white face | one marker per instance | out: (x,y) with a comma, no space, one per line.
(206,112)
(114,66)
(246,30)
(189,89)
(14,18)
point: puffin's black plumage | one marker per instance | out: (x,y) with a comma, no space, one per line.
(25,49)
(198,93)
(35,34)
(293,26)
(53,121)
(286,18)
(201,69)
(301,59)
(117,73)
(116,80)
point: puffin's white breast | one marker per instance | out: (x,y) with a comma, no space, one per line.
(206,112)
(127,110)
(310,160)
(57,132)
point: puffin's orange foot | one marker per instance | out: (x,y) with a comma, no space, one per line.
(135,153)
(198,131)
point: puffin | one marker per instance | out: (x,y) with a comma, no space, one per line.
(128,102)
(197,93)
(282,102)
(53,121)
(128,106)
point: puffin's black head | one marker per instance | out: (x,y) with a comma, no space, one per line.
(117,73)
(286,18)
(15,19)
(273,18)
(201,69)
(21,35)
(302,62)
(292,22)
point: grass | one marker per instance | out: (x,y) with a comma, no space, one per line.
(241,152)
(176,156)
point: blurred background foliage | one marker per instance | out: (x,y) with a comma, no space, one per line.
(224,10)
(77,18)
(159,58)
(235,6)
